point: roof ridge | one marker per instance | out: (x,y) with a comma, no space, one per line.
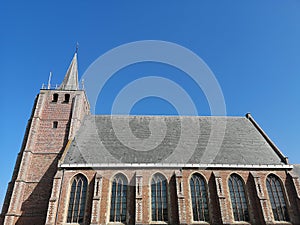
(159,116)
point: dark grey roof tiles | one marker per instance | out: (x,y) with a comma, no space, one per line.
(172,139)
(296,169)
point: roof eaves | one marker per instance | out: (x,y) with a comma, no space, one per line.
(174,165)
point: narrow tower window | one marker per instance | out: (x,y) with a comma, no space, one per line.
(277,199)
(199,198)
(159,204)
(238,198)
(55,97)
(118,207)
(77,199)
(67,98)
(55,124)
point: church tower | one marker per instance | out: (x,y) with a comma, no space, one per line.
(56,116)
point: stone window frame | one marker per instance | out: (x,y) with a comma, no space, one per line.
(70,182)
(109,199)
(284,195)
(190,198)
(126,182)
(167,195)
(246,197)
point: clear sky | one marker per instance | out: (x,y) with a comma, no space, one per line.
(252,47)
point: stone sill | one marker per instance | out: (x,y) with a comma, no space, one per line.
(241,223)
(158,222)
(280,223)
(72,223)
(115,223)
(200,223)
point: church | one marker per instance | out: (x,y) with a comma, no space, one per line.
(74,168)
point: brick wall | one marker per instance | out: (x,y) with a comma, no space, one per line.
(30,189)
(220,212)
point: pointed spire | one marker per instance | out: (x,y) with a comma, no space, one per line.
(70,81)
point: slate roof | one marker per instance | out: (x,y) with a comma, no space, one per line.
(170,139)
(296,169)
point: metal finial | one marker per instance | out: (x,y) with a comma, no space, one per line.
(49,80)
(77,46)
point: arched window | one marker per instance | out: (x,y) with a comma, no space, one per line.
(67,98)
(55,97)
(159,204)
(77,199)
(277,199)
(199,198)
(118,207)
(238,198)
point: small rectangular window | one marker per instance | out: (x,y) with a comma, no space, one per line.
(55,124)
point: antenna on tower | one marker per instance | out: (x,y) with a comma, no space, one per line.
(77,46)
(49,80)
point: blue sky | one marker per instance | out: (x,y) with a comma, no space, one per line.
(253,49)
